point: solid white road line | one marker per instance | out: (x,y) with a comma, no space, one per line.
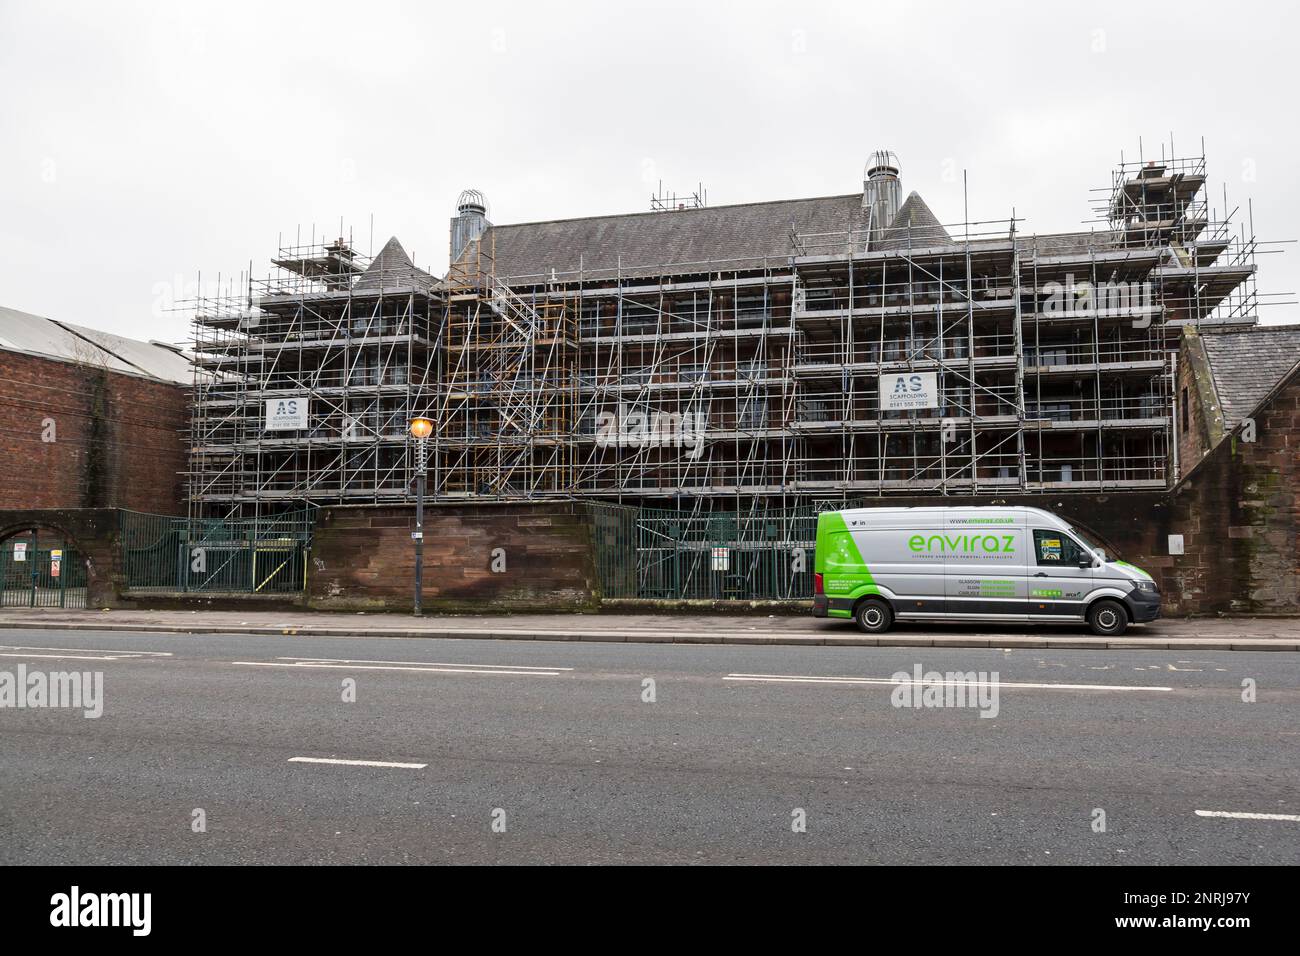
(890,682)
(501,672)
(359,763)
(1233,815)
(349,660)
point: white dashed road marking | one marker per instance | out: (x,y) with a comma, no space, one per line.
(1235,815)
(360,763)
(76,653)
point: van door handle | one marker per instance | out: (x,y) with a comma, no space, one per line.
(1041,574)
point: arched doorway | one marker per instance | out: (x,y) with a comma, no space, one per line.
(42,567)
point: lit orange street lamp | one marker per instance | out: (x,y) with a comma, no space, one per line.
(421,429)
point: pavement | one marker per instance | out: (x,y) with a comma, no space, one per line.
(242,748)
(1238,633)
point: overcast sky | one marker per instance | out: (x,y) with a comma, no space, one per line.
(141,143)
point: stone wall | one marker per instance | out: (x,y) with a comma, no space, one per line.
(477,557)
(1200,419)
(1239,512)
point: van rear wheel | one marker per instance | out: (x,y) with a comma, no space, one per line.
(1108,618)
(873,616)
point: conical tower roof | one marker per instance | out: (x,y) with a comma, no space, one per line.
(913,225)
(392,269)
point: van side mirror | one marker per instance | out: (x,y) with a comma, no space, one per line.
(1085,561)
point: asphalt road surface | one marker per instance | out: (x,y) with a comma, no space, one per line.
(520,752)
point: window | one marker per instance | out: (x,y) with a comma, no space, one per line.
(1185,414)
(1055,548)
(752,413)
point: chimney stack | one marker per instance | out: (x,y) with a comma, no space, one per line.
(882,192)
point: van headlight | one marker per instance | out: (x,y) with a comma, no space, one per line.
(1147,586)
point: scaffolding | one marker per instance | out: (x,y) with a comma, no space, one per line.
(355,338)
(738,384)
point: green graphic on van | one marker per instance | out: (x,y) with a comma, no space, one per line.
(837,555)
(1045,593)
(1134,567)
(963,543)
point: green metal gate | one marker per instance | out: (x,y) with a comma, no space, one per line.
(721,555)
(163,554)
(38,568)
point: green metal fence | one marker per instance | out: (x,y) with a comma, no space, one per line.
(253,555)
(746,555)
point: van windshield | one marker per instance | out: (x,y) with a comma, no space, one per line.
(1084,540)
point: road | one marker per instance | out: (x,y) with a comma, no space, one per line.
(555,743)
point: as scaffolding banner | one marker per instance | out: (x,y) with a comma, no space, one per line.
(906,390)
(284,414)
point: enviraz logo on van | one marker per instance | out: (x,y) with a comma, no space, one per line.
(963,544)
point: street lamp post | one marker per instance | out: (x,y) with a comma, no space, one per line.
(421,429)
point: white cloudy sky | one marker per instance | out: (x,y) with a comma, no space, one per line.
(141,143)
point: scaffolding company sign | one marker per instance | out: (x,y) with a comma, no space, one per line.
(903,391)
(286,414)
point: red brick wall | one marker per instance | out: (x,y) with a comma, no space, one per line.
(118,439)
(363,558)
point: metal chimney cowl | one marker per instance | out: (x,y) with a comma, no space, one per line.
(470,221)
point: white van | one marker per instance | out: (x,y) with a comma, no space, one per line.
(876,565)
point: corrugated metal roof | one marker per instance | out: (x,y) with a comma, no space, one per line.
(37,335)
(1247,365)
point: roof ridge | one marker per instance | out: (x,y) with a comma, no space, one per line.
(658,212)
(1253,330)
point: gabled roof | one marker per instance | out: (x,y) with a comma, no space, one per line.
(392,269)
(667,243)
(913,225)
(37,335)
(1245,366)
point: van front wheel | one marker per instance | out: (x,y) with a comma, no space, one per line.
(1108,618)
(873,616)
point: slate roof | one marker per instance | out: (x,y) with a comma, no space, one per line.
(37,335)
(1073,243)
(664,243)
(1247,365)
(392,269)
(913,225)
(722,238)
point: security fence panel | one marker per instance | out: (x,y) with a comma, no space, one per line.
(751,555)
(164,554)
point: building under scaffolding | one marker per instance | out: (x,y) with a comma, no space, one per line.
(722,358)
